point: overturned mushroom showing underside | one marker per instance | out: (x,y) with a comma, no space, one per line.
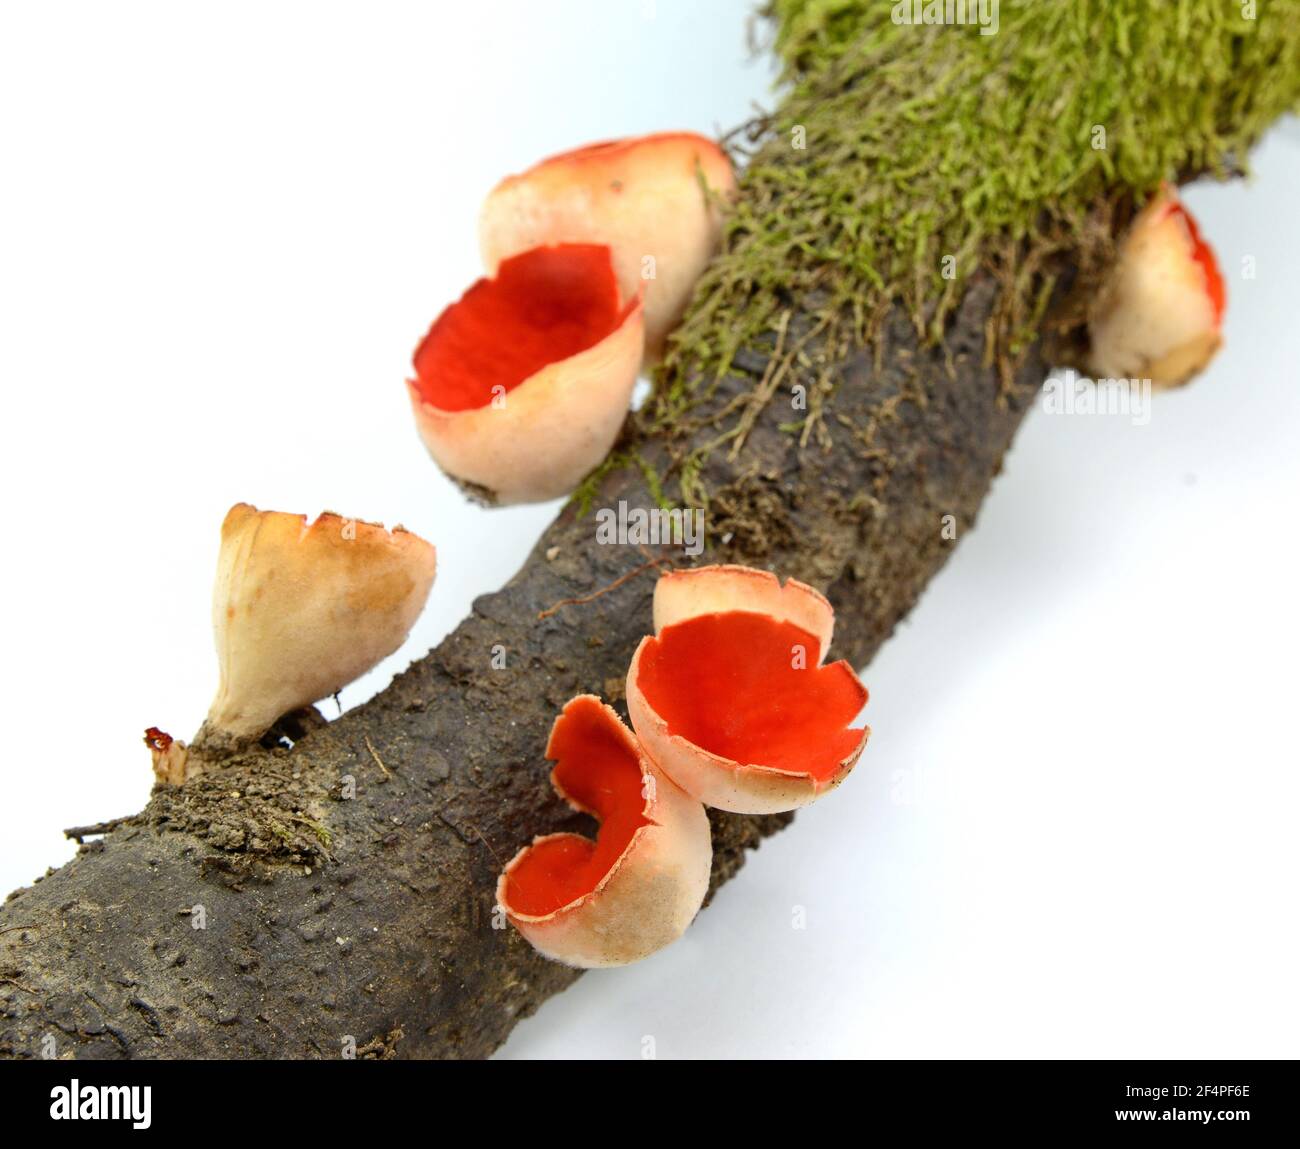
(656,200)
(521,387)
(638,886)
(301,609)
(730,698)
(1160,314)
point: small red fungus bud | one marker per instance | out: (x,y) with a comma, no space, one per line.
(1159,315)
(521,387)
(638,886)
(169,756)
(656,200)
(300,610)
(157,739)
(730,698)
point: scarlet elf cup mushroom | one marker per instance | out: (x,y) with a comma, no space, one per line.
(635,888)
(1160,313)
(730,698)
(301,609)
(521,387)
(656,200)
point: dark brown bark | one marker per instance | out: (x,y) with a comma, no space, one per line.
(330,916)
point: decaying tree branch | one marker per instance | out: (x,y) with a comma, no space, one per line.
(298,898)
(327,916)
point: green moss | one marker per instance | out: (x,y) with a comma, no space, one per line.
(934,141)
(321,831)
(585,495)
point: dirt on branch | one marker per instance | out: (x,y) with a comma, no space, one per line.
(342,890)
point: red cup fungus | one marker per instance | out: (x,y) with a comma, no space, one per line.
(730,698)
(638,886)
(300,610)
(521,387)
(1159,315)
(656,200)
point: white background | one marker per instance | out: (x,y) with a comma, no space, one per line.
(222,231)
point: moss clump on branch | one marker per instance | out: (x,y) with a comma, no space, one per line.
(930,152)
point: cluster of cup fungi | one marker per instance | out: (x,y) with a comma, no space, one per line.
(519,390)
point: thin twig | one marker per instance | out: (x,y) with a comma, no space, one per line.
(25,989)
(375,755)
(482,838)
(618,582)
(78,832)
